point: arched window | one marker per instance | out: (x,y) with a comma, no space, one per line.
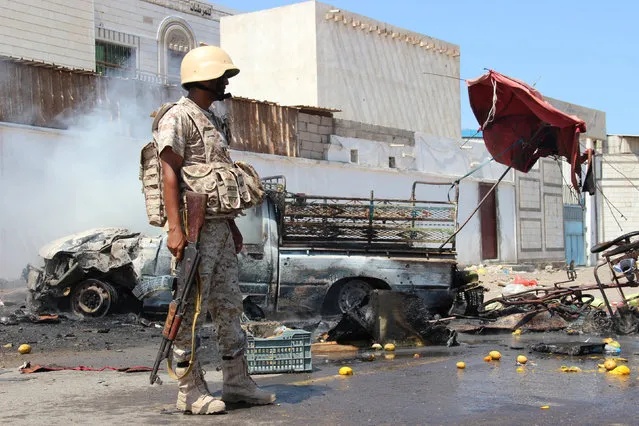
(175,39)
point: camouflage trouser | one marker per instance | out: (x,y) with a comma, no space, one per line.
(221,294)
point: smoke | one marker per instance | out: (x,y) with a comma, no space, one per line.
(54,183)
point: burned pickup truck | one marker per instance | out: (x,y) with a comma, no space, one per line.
(303,254)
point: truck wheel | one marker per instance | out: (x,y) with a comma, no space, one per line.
(92,298)
(351,294)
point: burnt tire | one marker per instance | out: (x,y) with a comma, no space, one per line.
(93,298)
(351,294)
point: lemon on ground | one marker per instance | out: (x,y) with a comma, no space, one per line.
(346,371)
(610,364)
(621,370)
(389,356)
(416,356)
(377,347)
(517,332)
(607,340)
(494,354)
(488,358)
(520,369)
(24,349)
(522,359)
(461,364)
(389,347)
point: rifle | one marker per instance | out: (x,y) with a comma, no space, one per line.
(186,276)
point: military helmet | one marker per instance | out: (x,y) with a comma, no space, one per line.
(206,63)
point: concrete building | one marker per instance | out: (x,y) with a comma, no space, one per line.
(618,177)
(58,32)
(143,39)
(315,54)
(554,224)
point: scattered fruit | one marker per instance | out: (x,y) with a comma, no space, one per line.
(389,347)
(522,359)
(494,355)
(614,344)
(607,340)
(610,364)
(461,365)
(545,407)
(416,356)
(377,347)
(517,332)
(24,349)
(622,370)
(389,356)
(346,371)
(520,369)
(572,369)
(488,358)
(8,346)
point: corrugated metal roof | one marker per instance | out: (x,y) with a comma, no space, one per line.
(43,64)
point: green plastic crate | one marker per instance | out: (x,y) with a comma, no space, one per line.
(288,353)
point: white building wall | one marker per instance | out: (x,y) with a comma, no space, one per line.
(275,50)
(379,74)
(146,18)
(53,31)
(619,180)
(373,72)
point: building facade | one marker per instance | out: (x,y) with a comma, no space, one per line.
(315,54)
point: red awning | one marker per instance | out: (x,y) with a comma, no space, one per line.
(519,126)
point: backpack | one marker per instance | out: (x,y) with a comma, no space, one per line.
(151,174)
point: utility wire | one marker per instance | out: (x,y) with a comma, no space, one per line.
(603,158)
(609,206)
(572,190)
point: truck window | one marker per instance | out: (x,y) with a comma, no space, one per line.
(251,226)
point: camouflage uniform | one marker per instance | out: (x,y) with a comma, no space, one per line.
(218,270)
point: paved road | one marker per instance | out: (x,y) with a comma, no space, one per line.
(406,390)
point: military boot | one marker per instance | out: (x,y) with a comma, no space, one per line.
(239,386)
(194,396)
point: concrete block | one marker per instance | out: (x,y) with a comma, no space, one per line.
(325,130)
(301,126)
(314,137)
(315,119)
(384,138)
(305,153)
(344,124)
(363,134)
(304,136)
(307,146)
(325,139)
(312,128)
(400,140)
(317,155)
(304,117)
(326,121)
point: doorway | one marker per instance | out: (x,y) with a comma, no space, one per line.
(488,220)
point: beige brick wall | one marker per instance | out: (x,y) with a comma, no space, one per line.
(313,132)
(53,31)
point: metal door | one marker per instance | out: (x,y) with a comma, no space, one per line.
(574,234)
(488,219)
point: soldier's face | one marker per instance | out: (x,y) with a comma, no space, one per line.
(218,88)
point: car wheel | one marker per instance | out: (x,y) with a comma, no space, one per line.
(351,294)
(93,298)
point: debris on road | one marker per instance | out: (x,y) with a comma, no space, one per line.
(572,349)
(461,365)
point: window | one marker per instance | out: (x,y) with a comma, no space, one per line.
(114,59)
(354,156)
(175,40)
(391,162)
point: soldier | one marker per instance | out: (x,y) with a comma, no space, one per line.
(190,133)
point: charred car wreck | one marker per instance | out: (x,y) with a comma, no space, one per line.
(302,254)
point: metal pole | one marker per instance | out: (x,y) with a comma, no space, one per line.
(478,206)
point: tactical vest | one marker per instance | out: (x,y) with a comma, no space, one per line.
(230,187)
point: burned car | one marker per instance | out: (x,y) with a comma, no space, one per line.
(101,270)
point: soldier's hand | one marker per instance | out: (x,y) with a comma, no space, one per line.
(176,242)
